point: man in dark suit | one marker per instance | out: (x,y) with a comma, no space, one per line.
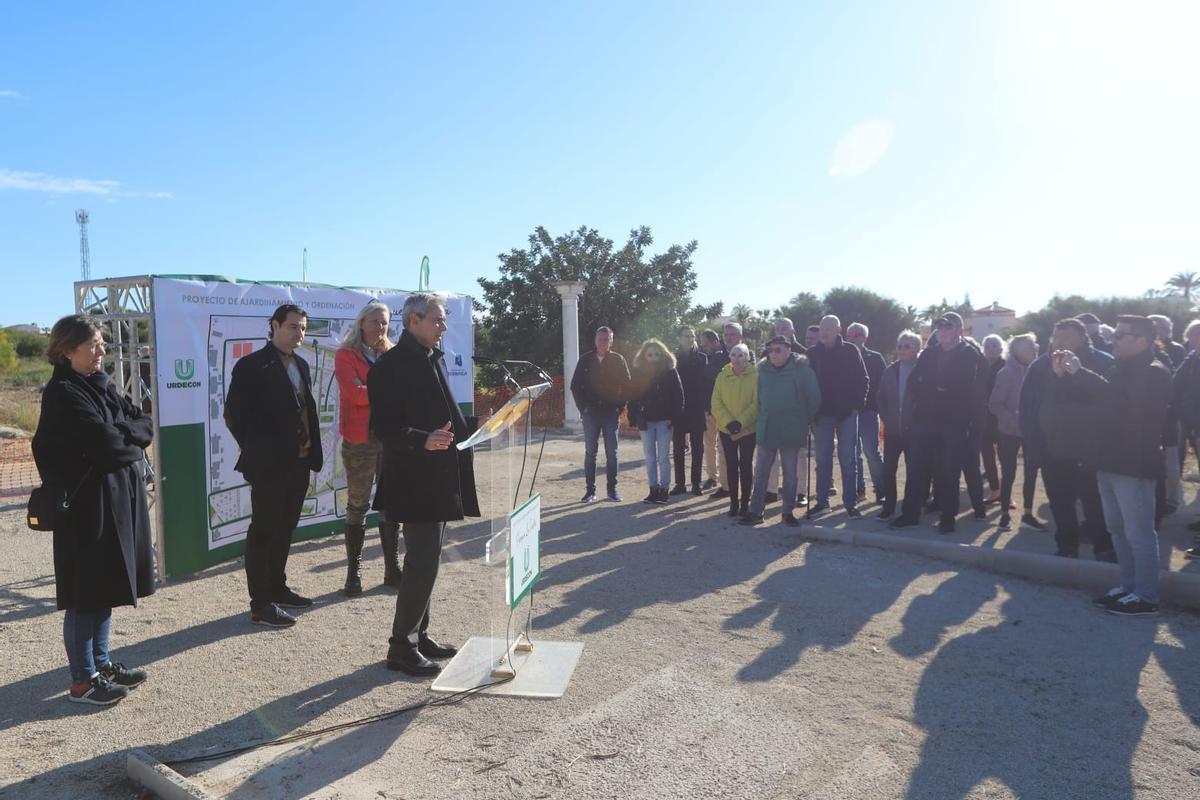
(425,481)
(271,413)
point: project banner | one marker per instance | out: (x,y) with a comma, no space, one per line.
(202,327)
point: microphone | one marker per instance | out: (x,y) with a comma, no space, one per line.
(484,360)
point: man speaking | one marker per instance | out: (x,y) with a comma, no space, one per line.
(425,481)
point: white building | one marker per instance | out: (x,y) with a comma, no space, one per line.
(991,319)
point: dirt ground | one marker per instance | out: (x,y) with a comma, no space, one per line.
(719,661)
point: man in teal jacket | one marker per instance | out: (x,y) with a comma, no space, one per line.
(788,399)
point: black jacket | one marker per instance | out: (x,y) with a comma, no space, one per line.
(1186,392)
(1132,407)
(262,413)
(716,362)
(842,377)
(103,557)
(410,397)
(692,366)
(895,412)
(875,365)
(1036,389)
(657,396)
(1068,417)
(949,385)
(600,387)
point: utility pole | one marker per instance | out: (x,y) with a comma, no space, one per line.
(85,261)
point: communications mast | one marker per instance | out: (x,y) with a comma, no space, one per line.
(85,262)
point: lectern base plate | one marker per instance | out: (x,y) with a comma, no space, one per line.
(543,672)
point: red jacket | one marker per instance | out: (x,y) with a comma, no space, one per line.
(350,368)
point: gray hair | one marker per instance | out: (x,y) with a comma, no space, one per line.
(787,323)
(419,303)
(1023,340)
(832,318)
(1162,324)
(1191,326)
(995,337)
(910,336)
(353,338)
(740,347)
(735,325)
(859,327)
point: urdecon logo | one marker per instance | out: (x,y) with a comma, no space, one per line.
(184,371)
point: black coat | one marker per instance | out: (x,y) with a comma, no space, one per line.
(949,386)
(692,366)
(600,387)
(895,412)
(842,377)
(1132,406)
(716,362)
(875,365)
(410,397)
(1186,393)
(658,396)
(262,413)
(103,558)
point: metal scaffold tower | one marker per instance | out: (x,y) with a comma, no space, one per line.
(125,306)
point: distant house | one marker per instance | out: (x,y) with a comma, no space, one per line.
(30,328)
(990,319)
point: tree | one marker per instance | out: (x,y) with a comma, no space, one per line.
(742,313)
(636,294)
(1184,283)
(1041,322)
(883,316)
(804,309)
(8,354)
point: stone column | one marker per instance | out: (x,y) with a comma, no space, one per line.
(570,291)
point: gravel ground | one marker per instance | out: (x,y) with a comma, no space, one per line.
(719,662)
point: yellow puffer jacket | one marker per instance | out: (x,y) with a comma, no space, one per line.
(735,397)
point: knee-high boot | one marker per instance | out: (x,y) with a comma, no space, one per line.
(389,538)
(354,545)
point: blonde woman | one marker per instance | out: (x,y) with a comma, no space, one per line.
(361,452)
(656,407)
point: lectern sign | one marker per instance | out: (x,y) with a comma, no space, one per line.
(524,566)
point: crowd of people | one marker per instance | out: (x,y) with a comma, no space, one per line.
(1106,417)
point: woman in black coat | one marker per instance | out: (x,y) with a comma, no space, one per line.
(656,408)
(90,442)
(692,365)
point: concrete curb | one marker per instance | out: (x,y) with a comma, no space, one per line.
(1176,588)
(164,782)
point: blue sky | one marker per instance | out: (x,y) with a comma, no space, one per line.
(922,149)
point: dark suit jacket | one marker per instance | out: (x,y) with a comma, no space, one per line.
(410,396)
(262,414)
(896,418)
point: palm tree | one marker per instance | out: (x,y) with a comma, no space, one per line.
(742,313)
(1185,282)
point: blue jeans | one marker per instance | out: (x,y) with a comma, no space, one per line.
(868,445)
(1129,514)
(656,445)
(85,634)
(847,436)
(593,426)
(764,458)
